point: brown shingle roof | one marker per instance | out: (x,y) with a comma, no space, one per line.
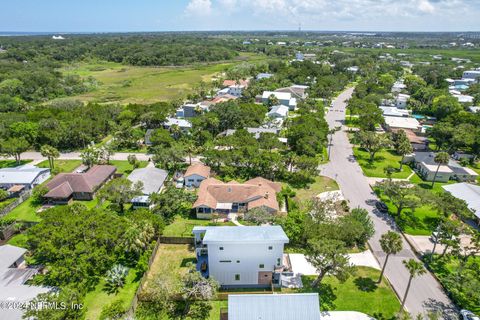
(198,169)
(256,192)
(65,184)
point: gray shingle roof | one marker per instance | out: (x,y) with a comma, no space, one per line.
(274,307)
(244,234)
(152,179)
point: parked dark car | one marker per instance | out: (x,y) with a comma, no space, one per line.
(382,207)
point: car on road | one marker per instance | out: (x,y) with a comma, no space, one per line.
(381,206)
(468,315)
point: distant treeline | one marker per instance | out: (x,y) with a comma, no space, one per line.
(138,50)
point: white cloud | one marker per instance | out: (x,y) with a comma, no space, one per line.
(341,14)
(426,7)
(199,7)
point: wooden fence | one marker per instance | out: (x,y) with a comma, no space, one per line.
(134,304)
(177,240)
(23,196)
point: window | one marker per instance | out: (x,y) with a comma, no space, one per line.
(221,248)
(237,277)
(270,247)
(261,266)
(225,261)
(238,261)
(278,261)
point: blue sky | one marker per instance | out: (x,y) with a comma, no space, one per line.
(173,15)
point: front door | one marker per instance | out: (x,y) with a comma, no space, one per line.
(264,278)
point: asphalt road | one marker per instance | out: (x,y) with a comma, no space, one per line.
(425,293)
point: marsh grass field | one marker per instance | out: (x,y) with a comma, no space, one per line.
(119,83)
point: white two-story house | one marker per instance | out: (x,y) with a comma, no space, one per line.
(241,257)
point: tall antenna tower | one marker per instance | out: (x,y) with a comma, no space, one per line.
(300,27)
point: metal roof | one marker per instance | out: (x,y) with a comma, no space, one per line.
(152,179)
(468,192)
(25,174)
(9,254)
(244,234)
(303,306)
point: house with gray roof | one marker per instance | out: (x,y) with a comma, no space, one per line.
(299,306)
(152,179)
(468,192)
(27,176)
(14,275)
(278,112)
(426,167)
(241,257)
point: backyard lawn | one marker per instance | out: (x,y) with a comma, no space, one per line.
(383,159)
(171,260)
(182,227)
(62,165)
(97,299)
(320,185)
(19,240)
(125,167)
(26,211)
(359,293)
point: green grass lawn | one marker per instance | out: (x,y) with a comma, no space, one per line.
(351,122)
(99,298)
(359,293)
(12,163)
(145,85)
(125,167)
(422,221)
(6,202)
(382,160)
(182,227)
(26,211)
(320,185)
(62,165)
(19,240)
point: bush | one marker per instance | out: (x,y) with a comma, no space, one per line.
(114,310)
(38,193)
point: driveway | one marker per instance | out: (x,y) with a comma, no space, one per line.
(423,244)
(302,266)
(426,293)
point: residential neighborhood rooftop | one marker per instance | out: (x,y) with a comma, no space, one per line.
(198,169)
(151,177)
(468,192)
(64,184)
(242,234)
(300,306)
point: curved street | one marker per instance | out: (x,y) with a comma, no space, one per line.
(425,293)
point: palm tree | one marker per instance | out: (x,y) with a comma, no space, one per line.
(441,158)
(404,147)
(416,269)
(51,153)
(391,243)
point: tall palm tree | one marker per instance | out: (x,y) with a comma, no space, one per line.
(404,147)
(441,158)
(51,153)
(416,269)
(391,243)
